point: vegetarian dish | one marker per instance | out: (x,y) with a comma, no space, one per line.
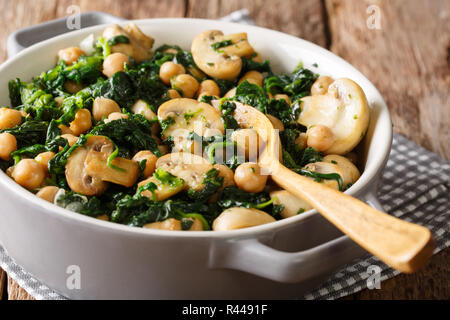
(147,138)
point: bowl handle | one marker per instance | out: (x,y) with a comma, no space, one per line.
(255,257)
(25,37)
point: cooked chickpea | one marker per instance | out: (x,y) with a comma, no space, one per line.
(285,97)
(43,158)
(103,107)
(113,63)
(9,118)
(48,193)
(82,122)
(320,86)
(72,86)
(254,77)
(173,94)
(70,55)
(28,173)
(187,84)
(116,116)
(150,164)
(170,69)
(8,144)
(70,138)
(276,123)
(247,139)
(248,177)
(209,88)
(320,137)
(168,224)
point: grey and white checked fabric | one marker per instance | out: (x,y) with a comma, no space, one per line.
(415,187)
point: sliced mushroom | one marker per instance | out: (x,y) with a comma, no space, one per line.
(77,177)
(139,46)
(350,172)
(292,204)
(189,167)
(238,218)
(163,191)
(186,115)
(343,109)
(87,171)
(326,168)
(277,124)
(224,62)
(145,41)
(122,171)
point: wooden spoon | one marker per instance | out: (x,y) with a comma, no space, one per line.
(402,245)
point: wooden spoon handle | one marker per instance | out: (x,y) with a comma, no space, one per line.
(402,245)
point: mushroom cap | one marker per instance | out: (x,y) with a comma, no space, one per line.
(291,203)
(225,62)
(343,109)
(77,177)
(189,115)
(139,46)
(187,166)
(350,172)
(326,167)
(238,218)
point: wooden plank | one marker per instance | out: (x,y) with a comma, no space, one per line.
(15,292)
(303,19)
(19,15)
(408,60)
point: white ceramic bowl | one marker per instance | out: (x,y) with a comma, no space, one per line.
(277,260)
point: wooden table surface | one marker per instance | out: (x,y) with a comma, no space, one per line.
(408,59)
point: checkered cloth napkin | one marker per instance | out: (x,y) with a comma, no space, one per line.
(415,187)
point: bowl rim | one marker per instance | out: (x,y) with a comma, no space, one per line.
(361,186)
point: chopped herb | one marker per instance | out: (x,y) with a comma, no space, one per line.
(221,44)
(118,39)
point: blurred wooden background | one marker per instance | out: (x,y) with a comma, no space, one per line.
(408,59)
